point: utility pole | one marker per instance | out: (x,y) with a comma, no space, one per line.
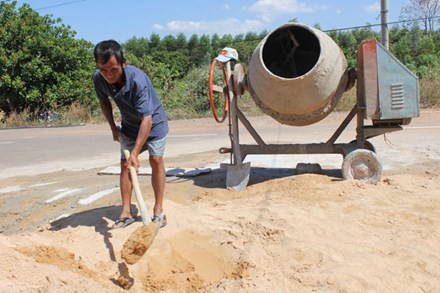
(384,23)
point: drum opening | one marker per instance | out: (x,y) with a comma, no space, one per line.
(291,51)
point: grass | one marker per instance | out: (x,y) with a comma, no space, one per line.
(76,113)
(430,94)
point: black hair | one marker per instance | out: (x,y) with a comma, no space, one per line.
(106,49)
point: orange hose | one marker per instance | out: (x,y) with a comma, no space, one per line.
(211,91)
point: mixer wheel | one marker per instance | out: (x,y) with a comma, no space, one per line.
(363,165)
(368,145)
(218,87)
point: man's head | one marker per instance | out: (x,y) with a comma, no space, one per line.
(106,49)
(110,60)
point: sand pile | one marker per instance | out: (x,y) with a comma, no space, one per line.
(294,234)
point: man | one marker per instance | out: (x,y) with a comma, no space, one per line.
(144,125)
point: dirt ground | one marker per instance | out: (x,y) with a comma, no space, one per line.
(285,233)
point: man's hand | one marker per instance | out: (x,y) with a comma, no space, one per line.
(143,133)
(116,134)
(134,161)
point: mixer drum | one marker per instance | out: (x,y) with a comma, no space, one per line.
(297,74)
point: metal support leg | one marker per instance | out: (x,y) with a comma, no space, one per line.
(237,176)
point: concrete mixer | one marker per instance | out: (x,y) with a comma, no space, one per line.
(296,75)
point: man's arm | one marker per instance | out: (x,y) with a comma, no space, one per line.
(107,110)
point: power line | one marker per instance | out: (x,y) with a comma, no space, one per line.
(58,5)
(378,24)
(350,28)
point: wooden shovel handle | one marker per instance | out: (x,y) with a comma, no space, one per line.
(146,219)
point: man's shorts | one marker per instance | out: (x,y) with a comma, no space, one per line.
(155,147)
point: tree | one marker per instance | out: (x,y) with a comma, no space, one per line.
(417,50)
(155,41)
(215,44)
(181,41)
(226,41)
(365,33)
(204,50)
(425,10)
(138,47)
(42,66)
(193,45)
(348,44)
(169,43)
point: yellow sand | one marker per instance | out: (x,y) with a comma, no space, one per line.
(139,242)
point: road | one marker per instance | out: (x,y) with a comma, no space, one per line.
(31,151)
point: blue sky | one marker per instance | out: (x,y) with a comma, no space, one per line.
(96,20)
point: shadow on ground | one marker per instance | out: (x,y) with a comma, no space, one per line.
(90,218)
(97,218)
(217,177)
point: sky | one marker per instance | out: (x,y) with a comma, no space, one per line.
(97,20)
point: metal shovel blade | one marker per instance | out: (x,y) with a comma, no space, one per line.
(237,176)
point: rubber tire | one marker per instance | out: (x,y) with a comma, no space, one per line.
(368,145)
(362,165)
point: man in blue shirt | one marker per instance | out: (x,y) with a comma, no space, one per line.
(144,125)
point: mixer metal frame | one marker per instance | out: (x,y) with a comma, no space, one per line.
(362,163)
(386,92)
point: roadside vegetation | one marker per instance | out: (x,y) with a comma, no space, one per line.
(45,72)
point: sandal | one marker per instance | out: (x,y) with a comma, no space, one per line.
(123,222)
(162,220)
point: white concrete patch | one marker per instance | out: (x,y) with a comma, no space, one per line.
(61,217)
(62,189)
(181,172)
(43,184)
(326,161)
(192,135)
(10,189)
(96,196)
(6,142)
(63,194)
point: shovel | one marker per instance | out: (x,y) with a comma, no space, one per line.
(237,175)
(142,238)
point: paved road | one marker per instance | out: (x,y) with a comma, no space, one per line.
(32,151)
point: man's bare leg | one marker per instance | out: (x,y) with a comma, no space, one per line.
(126,189)
(158,182)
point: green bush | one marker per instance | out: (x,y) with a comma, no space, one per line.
(42,66)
